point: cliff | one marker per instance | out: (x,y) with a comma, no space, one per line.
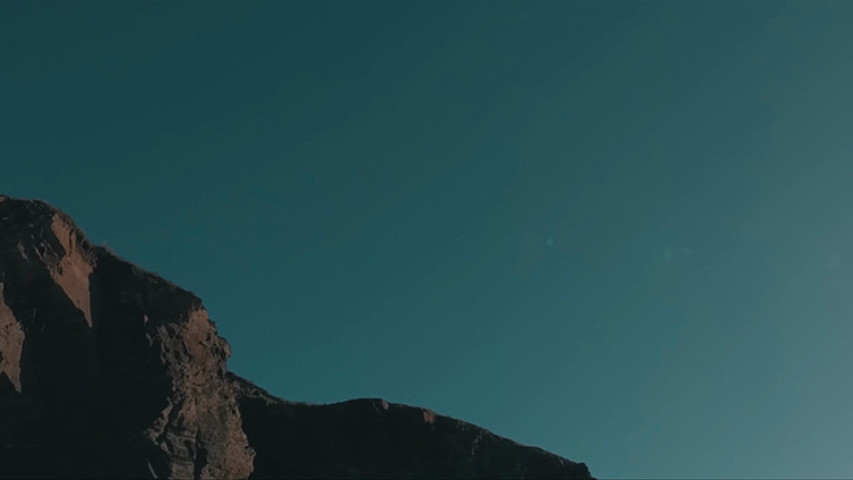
(108,371)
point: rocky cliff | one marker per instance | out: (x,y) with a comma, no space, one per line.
(108,371)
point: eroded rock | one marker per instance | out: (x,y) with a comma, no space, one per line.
(112,366)
(108,371)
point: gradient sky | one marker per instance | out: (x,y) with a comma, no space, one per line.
(618,231)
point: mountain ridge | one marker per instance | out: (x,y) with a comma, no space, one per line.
(107,370)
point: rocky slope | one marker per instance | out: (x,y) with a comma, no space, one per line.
(108,371)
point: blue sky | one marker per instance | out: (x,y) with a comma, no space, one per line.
(619,231)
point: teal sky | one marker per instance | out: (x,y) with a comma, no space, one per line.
(618,231)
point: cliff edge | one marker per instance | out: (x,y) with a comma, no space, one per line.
(109,371)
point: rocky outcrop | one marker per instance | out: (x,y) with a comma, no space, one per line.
(108,371)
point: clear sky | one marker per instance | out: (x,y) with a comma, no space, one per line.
(618,231)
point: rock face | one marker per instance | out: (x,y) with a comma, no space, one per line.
(108,371)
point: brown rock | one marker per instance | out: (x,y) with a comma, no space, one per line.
(108,371)
(116,372)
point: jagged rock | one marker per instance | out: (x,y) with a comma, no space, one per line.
(108,371)
(114,371)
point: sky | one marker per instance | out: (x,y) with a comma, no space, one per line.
(619,231)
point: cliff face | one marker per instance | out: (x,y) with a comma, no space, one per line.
(110,371)
(107,370)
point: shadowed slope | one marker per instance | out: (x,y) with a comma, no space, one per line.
(108,371)
(371,438)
